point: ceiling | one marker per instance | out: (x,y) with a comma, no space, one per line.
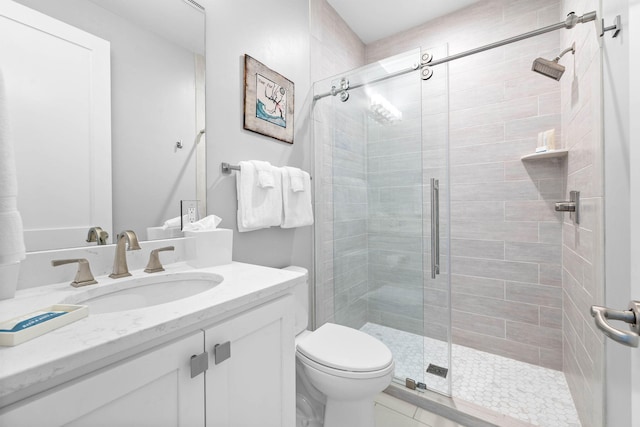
(178,21)
(372,20)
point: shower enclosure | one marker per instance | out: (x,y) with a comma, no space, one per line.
(435,237)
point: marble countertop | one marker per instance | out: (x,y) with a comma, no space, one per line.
(101,339)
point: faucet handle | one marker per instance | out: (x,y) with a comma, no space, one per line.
(83,275)
(97,234)
(154,265)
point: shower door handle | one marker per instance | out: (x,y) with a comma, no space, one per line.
(435,227)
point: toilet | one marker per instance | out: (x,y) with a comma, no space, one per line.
(339,371)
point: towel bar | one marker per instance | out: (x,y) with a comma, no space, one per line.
(228,168)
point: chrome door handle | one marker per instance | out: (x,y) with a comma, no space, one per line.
(631,316)
(435,227)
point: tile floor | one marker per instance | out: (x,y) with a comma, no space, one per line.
(526,392)
(392,412)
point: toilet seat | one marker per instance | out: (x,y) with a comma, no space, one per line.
(345,352)
(344,374)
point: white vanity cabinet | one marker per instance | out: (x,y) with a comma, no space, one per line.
(154,389)
(253,386)
(251,376)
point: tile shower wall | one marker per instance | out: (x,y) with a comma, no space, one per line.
(506,239)
(335,49)
(582,277)
(394,226)
(350,208)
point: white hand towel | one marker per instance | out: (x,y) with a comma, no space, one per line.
(257,207)
(266,178)
(298,211)
(12,247)
(297,179)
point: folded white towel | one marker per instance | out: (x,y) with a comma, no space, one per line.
(12,247)
(297,208)
(257,207)
(205,224)
(296,176)
(266,178)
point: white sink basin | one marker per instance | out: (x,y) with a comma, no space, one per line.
(130,294)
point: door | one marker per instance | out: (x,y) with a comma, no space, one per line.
(386,235)
(58,97)
(634,70)
(622,177)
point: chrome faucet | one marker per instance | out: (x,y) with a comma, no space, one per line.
(120,268)
(97,234)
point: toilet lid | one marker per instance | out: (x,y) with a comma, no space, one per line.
(344,348)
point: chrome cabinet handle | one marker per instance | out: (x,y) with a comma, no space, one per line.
(631,316)
(435,227)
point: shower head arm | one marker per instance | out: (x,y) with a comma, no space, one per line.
(571,49)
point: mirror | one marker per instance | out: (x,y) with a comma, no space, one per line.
(155,133)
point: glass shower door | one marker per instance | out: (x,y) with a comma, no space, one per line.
(377,238)
(437,288)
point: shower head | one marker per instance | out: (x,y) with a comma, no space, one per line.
(548,68)
(551,69)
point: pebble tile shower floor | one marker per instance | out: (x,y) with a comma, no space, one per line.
(530,393)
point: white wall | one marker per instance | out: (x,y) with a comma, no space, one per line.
(276,33)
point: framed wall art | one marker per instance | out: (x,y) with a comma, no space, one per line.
(268,101)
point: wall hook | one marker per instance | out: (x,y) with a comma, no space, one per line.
(616,27)
(179,145)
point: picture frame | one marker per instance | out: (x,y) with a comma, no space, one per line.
(268,101)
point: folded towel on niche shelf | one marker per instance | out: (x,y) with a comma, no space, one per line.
(12,247)
(297,209)
(258,207)
(266,173)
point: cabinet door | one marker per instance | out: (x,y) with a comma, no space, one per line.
(155,389)
(255,385)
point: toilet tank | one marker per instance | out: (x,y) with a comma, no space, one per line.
(301,300)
